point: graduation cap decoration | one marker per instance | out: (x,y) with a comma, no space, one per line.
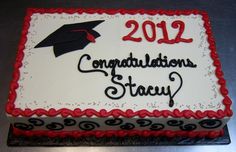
(71,37)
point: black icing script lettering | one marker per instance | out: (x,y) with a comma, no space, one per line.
(88,57)
(132,62)
(113,92)
(171,101)
(118,88)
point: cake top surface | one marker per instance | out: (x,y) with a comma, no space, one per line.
(107,61)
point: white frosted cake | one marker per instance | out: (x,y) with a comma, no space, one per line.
(83,72)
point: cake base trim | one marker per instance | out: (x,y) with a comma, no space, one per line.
(11,109)
(120,133)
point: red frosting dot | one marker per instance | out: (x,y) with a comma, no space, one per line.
(129,113)
(188,114)
(200,114)
(219,73)
(229,112)
(16,112)
(177,113)
(90,112)
(103,113)
(52,112)
(227,101)
(223,90)
(220,113)
(221,81)
(28,112)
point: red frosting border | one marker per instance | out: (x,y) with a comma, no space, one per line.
(118,133)
(11,109)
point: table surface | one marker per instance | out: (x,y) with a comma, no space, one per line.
(223,21)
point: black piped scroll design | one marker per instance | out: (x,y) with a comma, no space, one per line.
(210,123)
(147,122)
(55,126)
(188,127)
(114,122)
(33,122)
(144,122)
(23,126)
(36,121)
(175,122)
(88,125)
(181,125)
(91,125)
(157,126)
(127,126)
(69,122)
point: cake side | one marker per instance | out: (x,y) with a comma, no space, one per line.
(100,127)
(218,109)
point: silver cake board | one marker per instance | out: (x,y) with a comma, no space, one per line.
(14,140)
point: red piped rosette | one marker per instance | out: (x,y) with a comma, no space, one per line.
(11,109)
(118,133)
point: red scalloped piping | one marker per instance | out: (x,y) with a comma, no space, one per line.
(119,133)
(12,110)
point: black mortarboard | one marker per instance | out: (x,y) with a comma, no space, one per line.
(70,37)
